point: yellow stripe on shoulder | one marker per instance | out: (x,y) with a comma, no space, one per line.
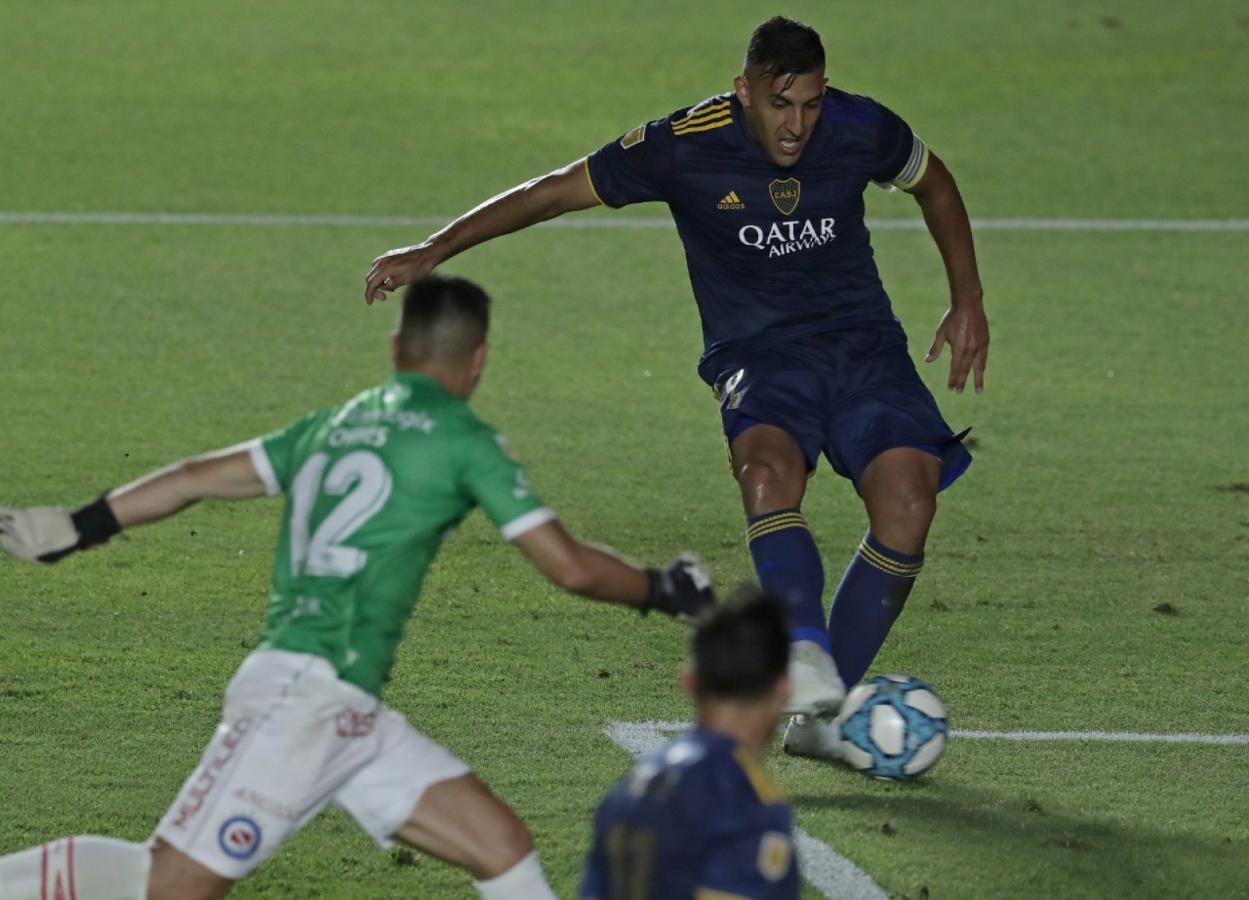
(690,129)
(703,117)
(703,893)
(765,788)
(697,111)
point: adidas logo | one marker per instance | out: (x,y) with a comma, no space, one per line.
(731,201)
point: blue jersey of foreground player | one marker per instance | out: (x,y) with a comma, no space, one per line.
(774,254)
(695,819)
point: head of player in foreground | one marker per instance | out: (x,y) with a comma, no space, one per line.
(373,485)
(781,87)
(738,664)
(442,333)
(699,816)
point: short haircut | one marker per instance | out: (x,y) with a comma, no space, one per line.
(444,320)
(782,46)
(742,650)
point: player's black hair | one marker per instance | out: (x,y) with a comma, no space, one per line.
(443,318)
(782,46)
(742,649)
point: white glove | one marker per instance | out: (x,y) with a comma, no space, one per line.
(30,534)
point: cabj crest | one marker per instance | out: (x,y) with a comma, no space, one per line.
(784,194)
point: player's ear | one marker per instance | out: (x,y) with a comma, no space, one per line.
(478,362)
(741,87)
(689,684)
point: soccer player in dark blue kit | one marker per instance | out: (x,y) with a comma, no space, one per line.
(766,185)
(699,818)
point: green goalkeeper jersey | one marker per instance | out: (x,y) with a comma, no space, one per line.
(373,488)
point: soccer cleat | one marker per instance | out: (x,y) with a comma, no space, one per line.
(815,688)
(809,736)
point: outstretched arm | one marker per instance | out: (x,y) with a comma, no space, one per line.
(47,534)
(564,190)
(682,590)
(964,326)
(222,475)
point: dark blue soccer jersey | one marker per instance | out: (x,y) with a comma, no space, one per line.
(697,818)
(774,254)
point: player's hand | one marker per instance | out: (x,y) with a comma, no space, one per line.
(395,268)
(43,534)
(682,590)
(965,328)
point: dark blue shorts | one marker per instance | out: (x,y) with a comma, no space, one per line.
(850,395)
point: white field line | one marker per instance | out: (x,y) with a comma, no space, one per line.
(823,867)
(266,220)
(1127,737)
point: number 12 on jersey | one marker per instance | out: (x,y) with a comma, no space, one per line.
(364,483)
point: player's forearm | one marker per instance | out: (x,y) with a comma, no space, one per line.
(948,223)
(599,574)
(158,495)
(519,207)
(683,589)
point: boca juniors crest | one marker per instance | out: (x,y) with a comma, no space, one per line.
(784,194)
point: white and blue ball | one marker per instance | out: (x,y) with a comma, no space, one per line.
(892,727)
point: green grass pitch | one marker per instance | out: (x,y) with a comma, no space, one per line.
(1090,573)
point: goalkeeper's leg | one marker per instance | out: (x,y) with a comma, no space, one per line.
(101,868)
(83,866)
(461,822)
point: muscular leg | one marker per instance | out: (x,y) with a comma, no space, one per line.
(770,469)
(175,876)
(461,822)
(899,490)
(772,473)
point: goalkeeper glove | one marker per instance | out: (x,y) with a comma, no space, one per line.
(48,533)
(682,590)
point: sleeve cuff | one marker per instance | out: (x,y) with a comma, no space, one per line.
(590,179)
(527,522)
(264,469)
(916,165)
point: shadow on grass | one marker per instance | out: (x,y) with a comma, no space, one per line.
(1016,846)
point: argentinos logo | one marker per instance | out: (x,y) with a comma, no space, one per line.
(785,194)
(788,236)
(239,837)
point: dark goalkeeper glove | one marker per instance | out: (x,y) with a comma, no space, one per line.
(682,590)
(47,533)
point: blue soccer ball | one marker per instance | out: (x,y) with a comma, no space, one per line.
(892,727)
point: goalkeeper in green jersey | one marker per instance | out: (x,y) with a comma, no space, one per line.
(373,487)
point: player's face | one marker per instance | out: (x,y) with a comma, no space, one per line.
(781,112)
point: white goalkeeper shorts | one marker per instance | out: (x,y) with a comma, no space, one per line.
(294,737)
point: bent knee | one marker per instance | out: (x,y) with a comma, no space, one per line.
(908,504)
(771,483)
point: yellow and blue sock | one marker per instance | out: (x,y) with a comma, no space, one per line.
(867,603)
(788,566)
